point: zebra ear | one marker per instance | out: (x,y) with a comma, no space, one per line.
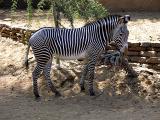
(125,18)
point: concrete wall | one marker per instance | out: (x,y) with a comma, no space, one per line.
(131,5)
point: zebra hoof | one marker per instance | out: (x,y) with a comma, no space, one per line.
(57,94)
(91,93)
(82,89)
(37,98)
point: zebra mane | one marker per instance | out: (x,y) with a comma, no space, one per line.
(101,19)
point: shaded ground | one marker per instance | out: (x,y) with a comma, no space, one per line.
(21,107)
(123,98)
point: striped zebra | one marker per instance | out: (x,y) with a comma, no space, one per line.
(87,42)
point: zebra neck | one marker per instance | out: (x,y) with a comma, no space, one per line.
(104,34)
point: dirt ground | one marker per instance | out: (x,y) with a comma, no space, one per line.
(123,98)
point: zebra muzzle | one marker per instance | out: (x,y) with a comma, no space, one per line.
(125,51)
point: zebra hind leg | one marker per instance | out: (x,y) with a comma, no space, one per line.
(90,81)
(35,76)
(46,71)
(83,78)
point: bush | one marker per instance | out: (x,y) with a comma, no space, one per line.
(71,9)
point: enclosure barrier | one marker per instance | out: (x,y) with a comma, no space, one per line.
(17,34)
(143,52)
(146,53)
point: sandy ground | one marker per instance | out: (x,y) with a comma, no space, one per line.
(21,107)
(123,98)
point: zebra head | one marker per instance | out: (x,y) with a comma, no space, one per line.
(121,33)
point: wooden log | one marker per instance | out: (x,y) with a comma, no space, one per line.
(136,49)
(13,36)
(5,35)
(153,49)
(144,53)
(144,49)
(133,44)
(156,66)
(145,44)
(153,66)
(155,45)
(15,30)
(144,60)
(147,54)
(22,31)
(6,30)
(158,54)
(133,53)
(137,59)
(153,60)
(3,26)
(20,35)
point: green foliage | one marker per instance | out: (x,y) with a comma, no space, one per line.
(29,9)
(92,9)
(85,9)
(71,9)
(42,4)
(14,7)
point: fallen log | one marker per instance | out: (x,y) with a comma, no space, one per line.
(144,60)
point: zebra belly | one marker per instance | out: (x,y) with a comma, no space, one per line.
(72,57)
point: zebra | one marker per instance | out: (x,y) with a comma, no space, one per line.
(87,42)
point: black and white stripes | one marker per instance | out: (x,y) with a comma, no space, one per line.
(86,42)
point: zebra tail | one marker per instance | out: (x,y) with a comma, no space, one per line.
(26,63)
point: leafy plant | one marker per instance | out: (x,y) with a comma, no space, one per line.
(13,8)
(71,9)
(29,9)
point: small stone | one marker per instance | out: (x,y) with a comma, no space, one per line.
(76,89)
(67,93)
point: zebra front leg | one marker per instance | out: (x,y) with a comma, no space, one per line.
(83,77)
(92,59)
(46,71)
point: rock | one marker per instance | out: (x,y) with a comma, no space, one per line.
(76,89)
(67,93)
